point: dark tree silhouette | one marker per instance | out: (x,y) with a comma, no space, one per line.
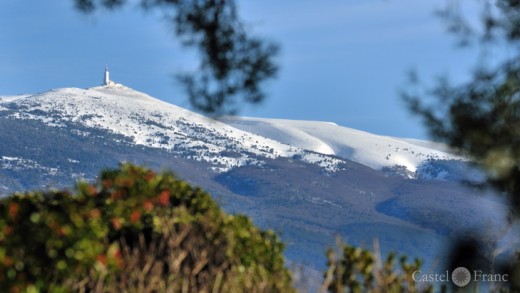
(233,64)
(481,118)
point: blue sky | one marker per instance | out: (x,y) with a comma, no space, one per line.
(341,60)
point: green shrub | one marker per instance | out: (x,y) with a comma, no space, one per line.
(359,270)
(134,231)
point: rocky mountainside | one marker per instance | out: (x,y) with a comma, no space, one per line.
(307,180)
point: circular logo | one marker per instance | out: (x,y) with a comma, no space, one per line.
(461,276)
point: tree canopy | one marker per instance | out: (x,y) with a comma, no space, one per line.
(481,118)
(134,230)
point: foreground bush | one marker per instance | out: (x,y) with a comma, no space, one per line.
(361,270)
(134,231)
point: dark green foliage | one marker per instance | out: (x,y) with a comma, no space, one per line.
(359,270)
(499,20)
(233,64)
(130,227)
(481,118)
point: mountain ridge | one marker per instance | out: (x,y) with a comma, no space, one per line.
(52,139)
(153,123)
(375,151)
(284,138)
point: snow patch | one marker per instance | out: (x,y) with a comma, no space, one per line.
(369,149)
(18,164)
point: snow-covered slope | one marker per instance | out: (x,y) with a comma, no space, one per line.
(237,142)
(372,150)
(151,122)
(288,175)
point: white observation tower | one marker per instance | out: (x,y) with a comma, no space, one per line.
(106,79)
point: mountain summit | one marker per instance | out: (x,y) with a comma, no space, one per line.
(225,144)
(308,180)
(150,122)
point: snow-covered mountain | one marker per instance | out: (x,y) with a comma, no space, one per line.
(153,123)
(229,143)
(374,151)
(308,180)
(410,158)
